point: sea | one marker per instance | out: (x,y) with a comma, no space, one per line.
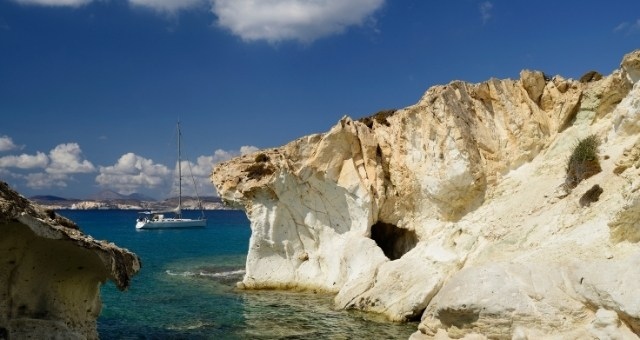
(186,288)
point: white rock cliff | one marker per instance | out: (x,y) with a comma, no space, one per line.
(50,273)
(454,211)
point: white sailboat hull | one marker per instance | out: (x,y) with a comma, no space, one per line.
(171,223)
(158,219)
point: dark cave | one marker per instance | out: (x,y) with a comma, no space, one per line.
(393,241)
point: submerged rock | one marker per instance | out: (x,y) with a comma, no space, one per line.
(448,211)
(50,272)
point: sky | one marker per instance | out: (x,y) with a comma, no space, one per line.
(91,90)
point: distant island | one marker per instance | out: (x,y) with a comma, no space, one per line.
(109,199)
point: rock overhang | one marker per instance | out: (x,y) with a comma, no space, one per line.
(52,272)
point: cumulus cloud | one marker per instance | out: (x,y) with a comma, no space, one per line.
(132,172)
(302,20)
(54,170)
(270,20)
(245,150)
(43,180)
(25,161)
(197,174)
(67,159)
(63,159)
(223,155)
(167,6)
(200,171)
(485,11)
(54,3)
(6,143)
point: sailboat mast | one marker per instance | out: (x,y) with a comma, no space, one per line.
(179,174)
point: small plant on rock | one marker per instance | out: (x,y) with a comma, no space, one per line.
(583,162)
(260,168)
(261,158)
(379,117)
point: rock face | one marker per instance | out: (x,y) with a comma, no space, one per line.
(454,211)
(50,273)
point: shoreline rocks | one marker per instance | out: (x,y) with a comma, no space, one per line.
(453,211)
(50,272)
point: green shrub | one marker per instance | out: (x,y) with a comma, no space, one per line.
(261,158)
(583,162)
(258,170)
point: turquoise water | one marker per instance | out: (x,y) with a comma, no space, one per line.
(186,288)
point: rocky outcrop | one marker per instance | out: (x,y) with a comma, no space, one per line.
(50,273)
(454,211)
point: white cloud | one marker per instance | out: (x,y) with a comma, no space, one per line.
(628,28)
(199,174)
(133,172)
(24,161)
(247,149)
(63,161)
(485,11)
(201,170)
(302,20)
(43,180)
(67,159)
(169,6)
(223,155)
(58,3)
(6,143)
(621,26)
(202,167)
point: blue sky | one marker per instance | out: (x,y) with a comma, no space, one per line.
(91,90)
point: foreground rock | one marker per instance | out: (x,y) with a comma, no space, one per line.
(50,273)
(456,211)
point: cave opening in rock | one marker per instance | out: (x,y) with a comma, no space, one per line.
(393,241)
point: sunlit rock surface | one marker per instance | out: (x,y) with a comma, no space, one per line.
(50,273)
(454,211)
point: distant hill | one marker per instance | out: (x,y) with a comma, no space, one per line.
(48,198)
(106,195)
(110,195)
(204,199)
(110,199)
(140,197)
(53,201)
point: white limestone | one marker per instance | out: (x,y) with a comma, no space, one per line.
(454,210)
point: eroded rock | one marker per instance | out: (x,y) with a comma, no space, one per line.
(50,272)
(472,171)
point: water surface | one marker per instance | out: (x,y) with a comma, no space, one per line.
(186,288)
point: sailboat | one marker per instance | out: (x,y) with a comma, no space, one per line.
(172,218)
